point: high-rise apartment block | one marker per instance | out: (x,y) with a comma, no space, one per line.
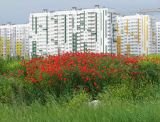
(76,30)
(98,30)
(14,40)
(158,36)
(137,34)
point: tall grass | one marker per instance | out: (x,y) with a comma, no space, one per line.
(112,107)
(127,101)
(9,65)
(111,111)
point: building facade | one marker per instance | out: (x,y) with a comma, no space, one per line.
(137,35)
(76,30)
(158,36)
(14,40)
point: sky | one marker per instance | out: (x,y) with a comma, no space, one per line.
(17,11)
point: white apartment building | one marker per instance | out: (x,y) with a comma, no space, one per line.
(14,40)
(75,30)
(158,36)
(138,34)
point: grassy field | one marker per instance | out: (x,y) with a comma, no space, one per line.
(110,111)
(128,89)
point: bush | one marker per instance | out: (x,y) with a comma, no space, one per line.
(151,72)
(6,91)
(9,65)
(73,71)
(78,100)
(15,91)
(61,76)
(2,66)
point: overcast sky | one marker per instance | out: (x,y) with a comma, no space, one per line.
(17,11)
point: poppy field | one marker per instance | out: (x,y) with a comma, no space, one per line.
(71,80)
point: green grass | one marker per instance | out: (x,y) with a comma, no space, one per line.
(117,102)
(9,65)
(110,111)
(154,56)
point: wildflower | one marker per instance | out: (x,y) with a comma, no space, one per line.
(86,79)
(94,84)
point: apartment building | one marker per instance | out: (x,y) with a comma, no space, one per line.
(14,40)
(158,36)
(76,30)
(137,34)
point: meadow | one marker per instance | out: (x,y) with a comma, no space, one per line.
(62,88)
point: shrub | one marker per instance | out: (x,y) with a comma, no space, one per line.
(6,92)
(2,66)
(73,71)
(78,100)
(62,75)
